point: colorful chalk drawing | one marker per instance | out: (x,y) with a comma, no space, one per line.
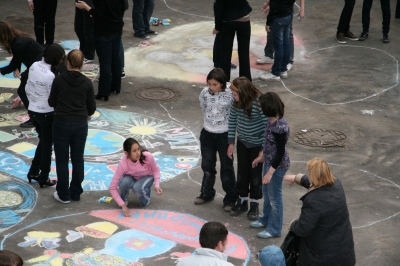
(147,237)
(9,81)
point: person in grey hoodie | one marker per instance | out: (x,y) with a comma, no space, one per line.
(213,241)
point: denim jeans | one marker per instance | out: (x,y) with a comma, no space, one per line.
(107,48)
(44,15)
(227,35)
(210,144)
(273,203)
(43,123)
(345,17)
(140,187)
(84,29)
(69,137)
(281,33)
(141,13)
(366,10)
(270,49)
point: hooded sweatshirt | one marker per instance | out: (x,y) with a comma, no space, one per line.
(72,97)
(205,257)
(108,16)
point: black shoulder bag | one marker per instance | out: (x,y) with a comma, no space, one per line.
(290,248)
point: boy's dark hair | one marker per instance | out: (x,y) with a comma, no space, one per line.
(211,233)
(53,55)
(128,147)
(8,258)
(272,105)
(219,75)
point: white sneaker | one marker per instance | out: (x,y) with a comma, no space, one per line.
(270,76)
(284,75)
(87,61)
(60,200)
(265,60)
(289,66)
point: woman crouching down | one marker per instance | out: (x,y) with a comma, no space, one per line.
(324,227)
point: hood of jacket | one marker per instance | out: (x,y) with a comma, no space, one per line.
(74,78)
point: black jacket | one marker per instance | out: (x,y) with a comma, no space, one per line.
(279,9)
(25,51)
(108,16)
(72,97)
(324,227)
(229,10)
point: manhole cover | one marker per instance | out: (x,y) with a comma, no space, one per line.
(319,137)
(155,94)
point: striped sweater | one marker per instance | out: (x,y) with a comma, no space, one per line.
(250,131)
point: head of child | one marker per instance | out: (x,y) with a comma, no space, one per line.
(8,34)
(244,93)
(8,258)
(75,60)
(54,55)
(214,235)
(216,80)
(272,105)
(271,256)
(133,150)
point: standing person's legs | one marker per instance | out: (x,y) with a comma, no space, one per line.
(385,6)
(77,143)
(366,10)
(78,28)
(291,59)
(398,9)
(269,47)
(50,20)
(34,170)
(217,50)
(104,52)
(88,33)
(147,12)
(39,16)
(142,189)
(137,17)
(345,17)
(243,33)
(116,63)
(286,44)
(227,37)
(256,175)
(122,59)
(281,31)
(125,184)
(21,88)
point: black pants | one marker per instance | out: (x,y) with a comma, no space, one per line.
(345,17)
(397,15)
(366,10)
(21,89)
(248,179)
(84,29)
(217,50)
(210,144)
(44,14)
(227,35)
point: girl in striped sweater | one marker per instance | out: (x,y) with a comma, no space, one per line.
(247,119)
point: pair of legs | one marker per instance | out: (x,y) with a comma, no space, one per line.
(108,51)
(44,14)
(141,13)
(84,29)
(281,35)
(227,35)
(397,10)
(140,187)
(210,144)
(41,162)
(270,48)
(345,17)
(366,10)
(69,138)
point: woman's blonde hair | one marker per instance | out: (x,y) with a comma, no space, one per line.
(75,58)
(320,173)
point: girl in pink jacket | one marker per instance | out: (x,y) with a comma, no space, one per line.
(137,170)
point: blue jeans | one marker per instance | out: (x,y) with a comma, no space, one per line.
(69,137)
(273,203)
(141,13)
(269,47)
(366,10)
(107,48)
(140,187)
(281,34)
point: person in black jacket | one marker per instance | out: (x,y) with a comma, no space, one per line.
(73,100)
(24,51)
(232,17)
(324,228)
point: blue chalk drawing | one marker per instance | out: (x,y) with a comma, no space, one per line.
(13,165)
(70,44)
(4,63)
(101,142)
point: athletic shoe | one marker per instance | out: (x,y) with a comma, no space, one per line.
(56,197)
(349,35)
(152,32)
(264,234)
(257,224)
(253,213)
(87,61)
(386,39)
(363,36)
(228,207)
(289,66)
(123,75)
(27,124)
(265,60)
(141,36)
(199,201)
(284,75)
(340,38)
(239,208)
(270,76)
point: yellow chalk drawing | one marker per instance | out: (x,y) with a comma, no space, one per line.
(96,114)
(8,119)
(98,230)
(5,97)
(4,178)
(21,147)
(9,199)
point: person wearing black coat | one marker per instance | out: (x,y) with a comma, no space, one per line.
(324,227)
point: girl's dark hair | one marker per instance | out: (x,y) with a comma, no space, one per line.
(247,94)
(8,258)
(75,58)
(128,146)
(272,105)
(219,75)
(8,35)
(53,56)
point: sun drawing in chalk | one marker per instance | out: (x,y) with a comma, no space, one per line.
(143,128)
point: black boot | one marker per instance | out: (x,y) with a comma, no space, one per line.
(252,215)
(239,208)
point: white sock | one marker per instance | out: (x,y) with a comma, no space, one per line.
(253,200)
(242,199)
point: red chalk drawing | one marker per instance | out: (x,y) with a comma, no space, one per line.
(22,118)
(183,165)
(180,254)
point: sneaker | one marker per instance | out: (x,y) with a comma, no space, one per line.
(265,60)
(148,202)
(27,124)
(349,35)
(123,75)
(239,208)
(264,234)
(386,39)
(270,76)
(199,201)
(228,207)
(340,38)
(284,75)
(363,36)
(152,32)
(289,66)
(141,36)
(58,198)
(253,214)
(257,224)
(87,61)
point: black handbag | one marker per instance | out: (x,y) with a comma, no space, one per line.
(290,248)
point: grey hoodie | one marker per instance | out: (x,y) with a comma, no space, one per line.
(205,257)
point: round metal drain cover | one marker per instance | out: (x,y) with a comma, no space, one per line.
(155,94)
(319,137)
